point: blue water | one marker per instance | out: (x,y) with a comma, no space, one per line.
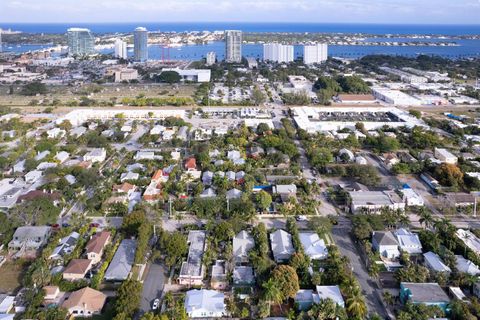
(467,48)
(252,27)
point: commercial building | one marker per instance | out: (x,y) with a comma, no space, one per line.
(374,201)
(395,97)
(79,116)
(192,75)
(233,46)
(278,52)
(126,74)
(321,119)
(404,76)
(80,42)
(120,49)
(140,44)
(315,53)
(211,58)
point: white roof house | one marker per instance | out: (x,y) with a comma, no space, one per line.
(96,155)
(445,156)
(66,246)
(411,197)
(208,193)
(7,303)
(62,156)
(466,266)
(129,176)
(242,243)
(470,240)
(144,155)
(33,176)
(126,128)
(386,244)
(29,237)
(156,130)
(408,241)
(205,304)
(433,262)
(330,292)
(282,246)
(234,194)
(55,133)
(78,131)
(41,155)
(313,246)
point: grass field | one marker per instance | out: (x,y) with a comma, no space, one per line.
(11,275)
(107,93)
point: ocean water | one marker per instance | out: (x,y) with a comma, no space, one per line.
(466,48)
(253,27)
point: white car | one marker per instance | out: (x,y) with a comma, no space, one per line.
(156,304)
(301,218)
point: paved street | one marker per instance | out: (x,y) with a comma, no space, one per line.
(347,248)
(152,286)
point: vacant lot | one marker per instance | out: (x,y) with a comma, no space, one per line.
(11,275)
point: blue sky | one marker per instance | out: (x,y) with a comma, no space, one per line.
(340,11)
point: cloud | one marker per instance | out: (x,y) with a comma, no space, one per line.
(368,11)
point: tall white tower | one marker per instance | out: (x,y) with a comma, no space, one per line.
(120,49)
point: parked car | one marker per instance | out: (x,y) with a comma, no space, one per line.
(301,218)
(156,304)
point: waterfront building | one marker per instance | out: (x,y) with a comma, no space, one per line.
(80,42)
(233,46)
(278,52)
(317,53)
(211,58)
(140,44)
(120,49)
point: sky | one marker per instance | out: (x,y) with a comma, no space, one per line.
(320,11)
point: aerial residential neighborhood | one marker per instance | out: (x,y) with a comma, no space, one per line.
(265,172)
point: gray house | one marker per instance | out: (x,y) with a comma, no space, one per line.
(282,246)
(122,262)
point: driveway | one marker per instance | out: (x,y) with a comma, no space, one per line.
(152,286)
(347,247)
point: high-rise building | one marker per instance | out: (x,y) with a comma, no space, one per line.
(233,46)
(120,49)
(278,52)
(211,58)
(315,53)
(140,44)
(80,42)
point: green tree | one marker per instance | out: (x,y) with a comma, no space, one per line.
(258,97)
(169,77)
(286,280)
(263,199)
(128,297)
(174,245)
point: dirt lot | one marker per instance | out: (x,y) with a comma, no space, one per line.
(11,275)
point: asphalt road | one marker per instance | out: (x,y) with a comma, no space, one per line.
(152,286)
(347,248)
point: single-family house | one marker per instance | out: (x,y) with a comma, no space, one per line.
(29,238)
(313,246)
(192,270)
(243,276)
(122,262)
(66,246)
(242,244)
(282,246)
(95,155)
(466,266)
(430,294)
(205,304)
(408,241)
(85,302)
(77,269)
(219,279)
(96,245)
(386,244)
(434,263)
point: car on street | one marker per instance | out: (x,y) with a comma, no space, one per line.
(156,304)
(301,218)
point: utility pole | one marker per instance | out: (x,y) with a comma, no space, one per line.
(228,205)
(475,208)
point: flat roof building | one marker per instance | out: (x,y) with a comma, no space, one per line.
(374,201)
(192,270)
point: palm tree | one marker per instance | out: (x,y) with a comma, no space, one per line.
(426,217)
(271,292)
(356,306)
(388,298)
